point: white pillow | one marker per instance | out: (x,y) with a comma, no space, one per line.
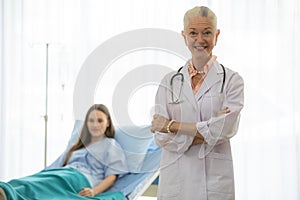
(135,141)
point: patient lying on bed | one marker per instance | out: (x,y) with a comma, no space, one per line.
(86,169)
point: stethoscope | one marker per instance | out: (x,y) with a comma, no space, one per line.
(180,75)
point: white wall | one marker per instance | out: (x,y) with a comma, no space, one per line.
(259,39)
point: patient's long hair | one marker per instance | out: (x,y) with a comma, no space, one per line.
(85,135)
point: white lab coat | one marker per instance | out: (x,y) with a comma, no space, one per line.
(204,171)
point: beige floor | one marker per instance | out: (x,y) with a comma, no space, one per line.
(149,194)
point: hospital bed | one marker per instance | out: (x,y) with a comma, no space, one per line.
(142,154)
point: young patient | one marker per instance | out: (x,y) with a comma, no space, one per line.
(89,167)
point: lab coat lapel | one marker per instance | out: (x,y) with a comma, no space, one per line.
(187,89)
(213,76)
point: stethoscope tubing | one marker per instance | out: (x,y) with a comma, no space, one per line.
(178,73)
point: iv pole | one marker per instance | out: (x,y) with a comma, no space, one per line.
(46,108)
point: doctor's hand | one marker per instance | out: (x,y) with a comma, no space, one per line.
(87,192)
(224,111)
(159,123)
(197,140)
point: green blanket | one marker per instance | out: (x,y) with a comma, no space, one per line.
(54,184)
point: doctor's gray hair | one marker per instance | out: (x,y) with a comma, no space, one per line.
(201,11)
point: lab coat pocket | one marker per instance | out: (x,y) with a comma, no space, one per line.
(175,110)
(220,173)
(181,111)
(211,104)
(169,185)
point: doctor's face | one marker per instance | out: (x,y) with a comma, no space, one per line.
(97,124)
(200,36)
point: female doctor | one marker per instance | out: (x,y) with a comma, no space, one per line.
(197,112)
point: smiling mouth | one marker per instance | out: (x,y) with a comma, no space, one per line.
(200,48)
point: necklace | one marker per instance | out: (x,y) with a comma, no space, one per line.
(192,69)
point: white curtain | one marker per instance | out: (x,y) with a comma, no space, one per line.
(259,39)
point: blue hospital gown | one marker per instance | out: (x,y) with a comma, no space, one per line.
(96,161)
